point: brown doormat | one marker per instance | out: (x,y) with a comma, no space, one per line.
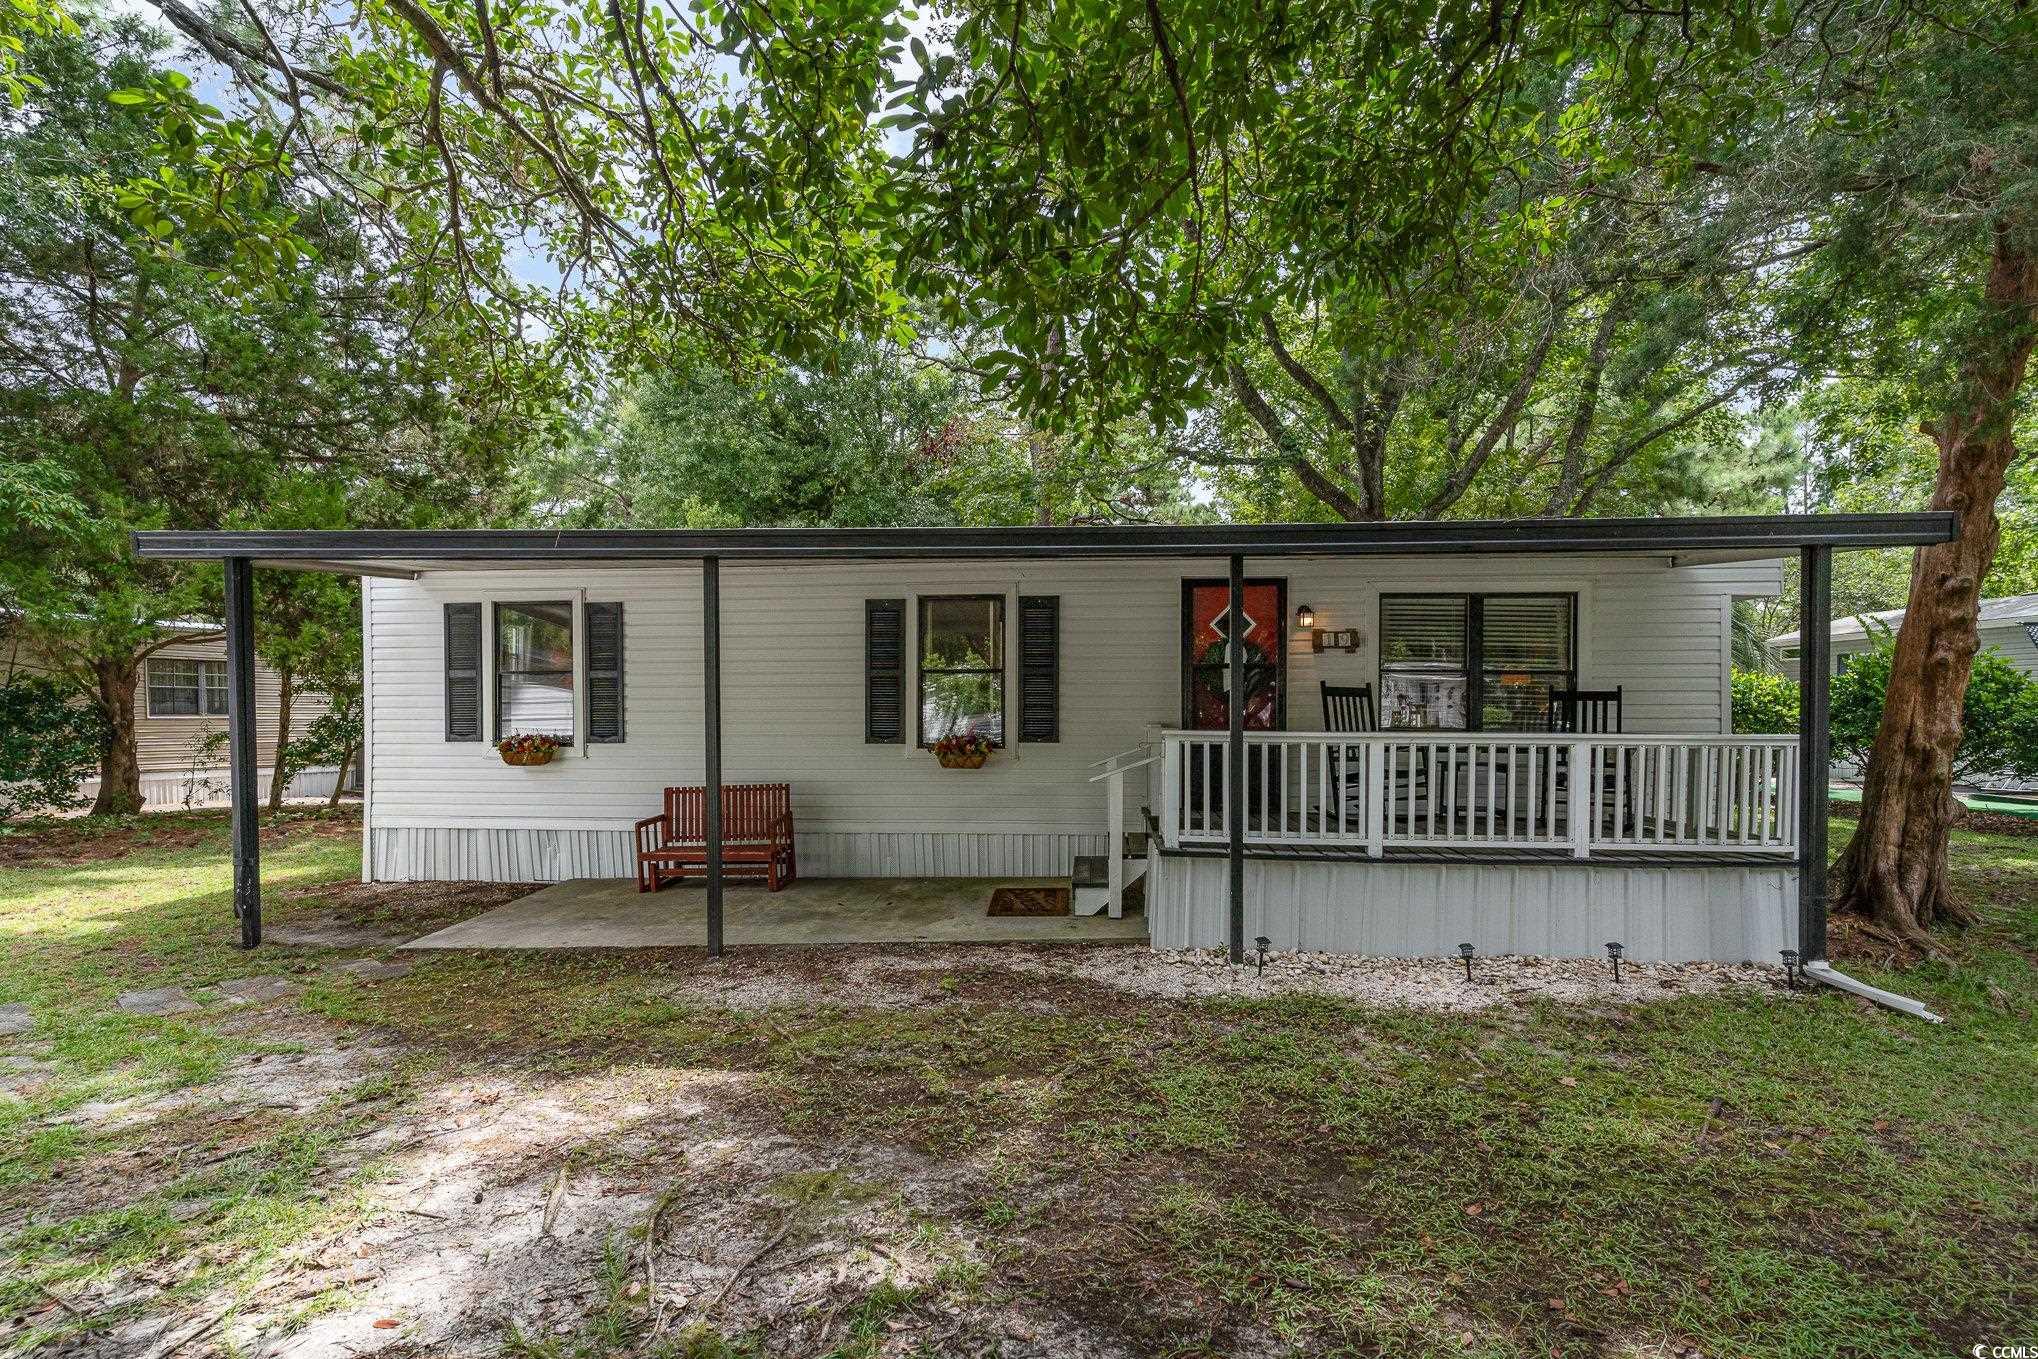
(1030,901)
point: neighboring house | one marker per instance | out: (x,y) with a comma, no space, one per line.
(841,654)
(2009,625)
(180,720)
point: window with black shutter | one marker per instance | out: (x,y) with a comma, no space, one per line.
(884,670)
(463,672)
(1040,667)
(605,673)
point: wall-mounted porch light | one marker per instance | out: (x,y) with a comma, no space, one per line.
(1325,639)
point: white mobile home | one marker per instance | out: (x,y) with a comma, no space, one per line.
(1512,733)
(2008,625)
(179,709)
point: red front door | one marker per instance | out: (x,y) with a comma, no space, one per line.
(1206,625)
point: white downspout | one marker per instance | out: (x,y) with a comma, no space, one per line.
(1840,981)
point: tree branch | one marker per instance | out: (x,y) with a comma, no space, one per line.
(1269,420)
(1303,378)
(1503,420)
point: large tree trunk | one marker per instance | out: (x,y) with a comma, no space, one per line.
(120,770)
(279,777)
(1894,869)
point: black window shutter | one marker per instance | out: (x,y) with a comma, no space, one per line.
(884,670)
(1040,667)
(463,672)
(605,673)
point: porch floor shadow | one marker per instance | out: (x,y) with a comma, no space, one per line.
(811,912)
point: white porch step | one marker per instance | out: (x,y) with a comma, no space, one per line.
(1092,891)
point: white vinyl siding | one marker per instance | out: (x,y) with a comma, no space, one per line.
(793,683)
(2008,638)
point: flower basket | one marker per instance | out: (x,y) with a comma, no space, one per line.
(527,750)
(962,752)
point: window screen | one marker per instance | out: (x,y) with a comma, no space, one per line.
(534,670)
(1524,655)
(962,667)
(1424,643)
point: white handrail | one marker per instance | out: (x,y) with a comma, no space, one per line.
(1392,734)
(1115,771)
(1114,822)
(1111,759)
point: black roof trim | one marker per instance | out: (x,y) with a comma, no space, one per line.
(1736,533)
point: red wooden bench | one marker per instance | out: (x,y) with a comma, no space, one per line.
(757,836)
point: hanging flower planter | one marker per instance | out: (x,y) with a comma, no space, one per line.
(527,750)
(962,752)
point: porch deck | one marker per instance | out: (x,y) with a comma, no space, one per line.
(812,912)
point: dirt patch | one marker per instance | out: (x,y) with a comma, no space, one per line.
(1980,822)
(1996,823)
(77,840)
(392,912)
(497,1202)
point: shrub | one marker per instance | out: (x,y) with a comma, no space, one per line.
(49,746)
(333,738)
(1764,702)
(2000,720)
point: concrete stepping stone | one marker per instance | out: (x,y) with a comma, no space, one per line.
(369,969)
(254,990)
(161,1000)
(15,1018)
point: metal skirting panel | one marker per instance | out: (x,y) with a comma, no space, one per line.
(480,854)
(1658,912)
(943,854)
(208,787)
(486,854)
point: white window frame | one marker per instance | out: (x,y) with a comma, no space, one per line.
(204,688)
(576,607)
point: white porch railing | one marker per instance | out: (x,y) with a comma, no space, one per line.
(1380,791)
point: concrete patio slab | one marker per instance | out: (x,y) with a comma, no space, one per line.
(612,913)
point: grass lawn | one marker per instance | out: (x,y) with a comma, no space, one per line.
(582,1156)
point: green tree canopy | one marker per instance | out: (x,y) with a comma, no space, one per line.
(136,392)
(867,435)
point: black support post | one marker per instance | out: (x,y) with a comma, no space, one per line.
(1814,744)
(240,729)
(711,704)
(1234,757)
